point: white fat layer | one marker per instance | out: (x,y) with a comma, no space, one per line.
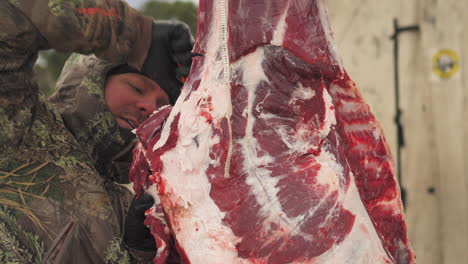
(262,185)
(371,165)
(167,127)
(330,171)
(362,245)
(197,219)
(278,35)
(302,93)
(363,147)
(377,133)
(253,75)
(329,34)
(391,205)
(351,107)
(269,116)
(337,90)
(371,127)
(360,127)
(330,118)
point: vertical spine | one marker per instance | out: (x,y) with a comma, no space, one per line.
(224,4)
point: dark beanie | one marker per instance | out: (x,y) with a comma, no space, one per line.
(125,68)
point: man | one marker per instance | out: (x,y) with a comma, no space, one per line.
(100,103)
(54,205)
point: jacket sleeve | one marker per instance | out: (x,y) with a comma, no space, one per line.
(110,29)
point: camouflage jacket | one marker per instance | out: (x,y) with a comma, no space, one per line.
(54,206)
(79,100)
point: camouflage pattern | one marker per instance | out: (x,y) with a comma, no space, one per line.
(79,99)
(54,206)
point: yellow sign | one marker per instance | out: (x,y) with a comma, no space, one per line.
(445,63)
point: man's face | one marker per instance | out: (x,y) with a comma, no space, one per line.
(132,98)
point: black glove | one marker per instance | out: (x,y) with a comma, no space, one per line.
(169,58)
(136,234)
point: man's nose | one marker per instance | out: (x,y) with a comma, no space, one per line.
(146,108)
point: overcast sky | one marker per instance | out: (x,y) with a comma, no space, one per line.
(139,3)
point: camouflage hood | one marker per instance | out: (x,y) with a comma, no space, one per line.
(80,101)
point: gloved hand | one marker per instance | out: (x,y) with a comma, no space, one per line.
(169,58)
(136,234)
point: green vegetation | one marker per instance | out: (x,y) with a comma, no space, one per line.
(183,11)
(11,252)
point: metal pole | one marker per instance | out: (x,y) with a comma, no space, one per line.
(398,112)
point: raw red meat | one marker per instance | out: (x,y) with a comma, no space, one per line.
(270,154)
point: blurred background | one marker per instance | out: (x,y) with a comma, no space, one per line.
(430,93)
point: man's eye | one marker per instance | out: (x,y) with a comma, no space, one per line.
(137,89)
